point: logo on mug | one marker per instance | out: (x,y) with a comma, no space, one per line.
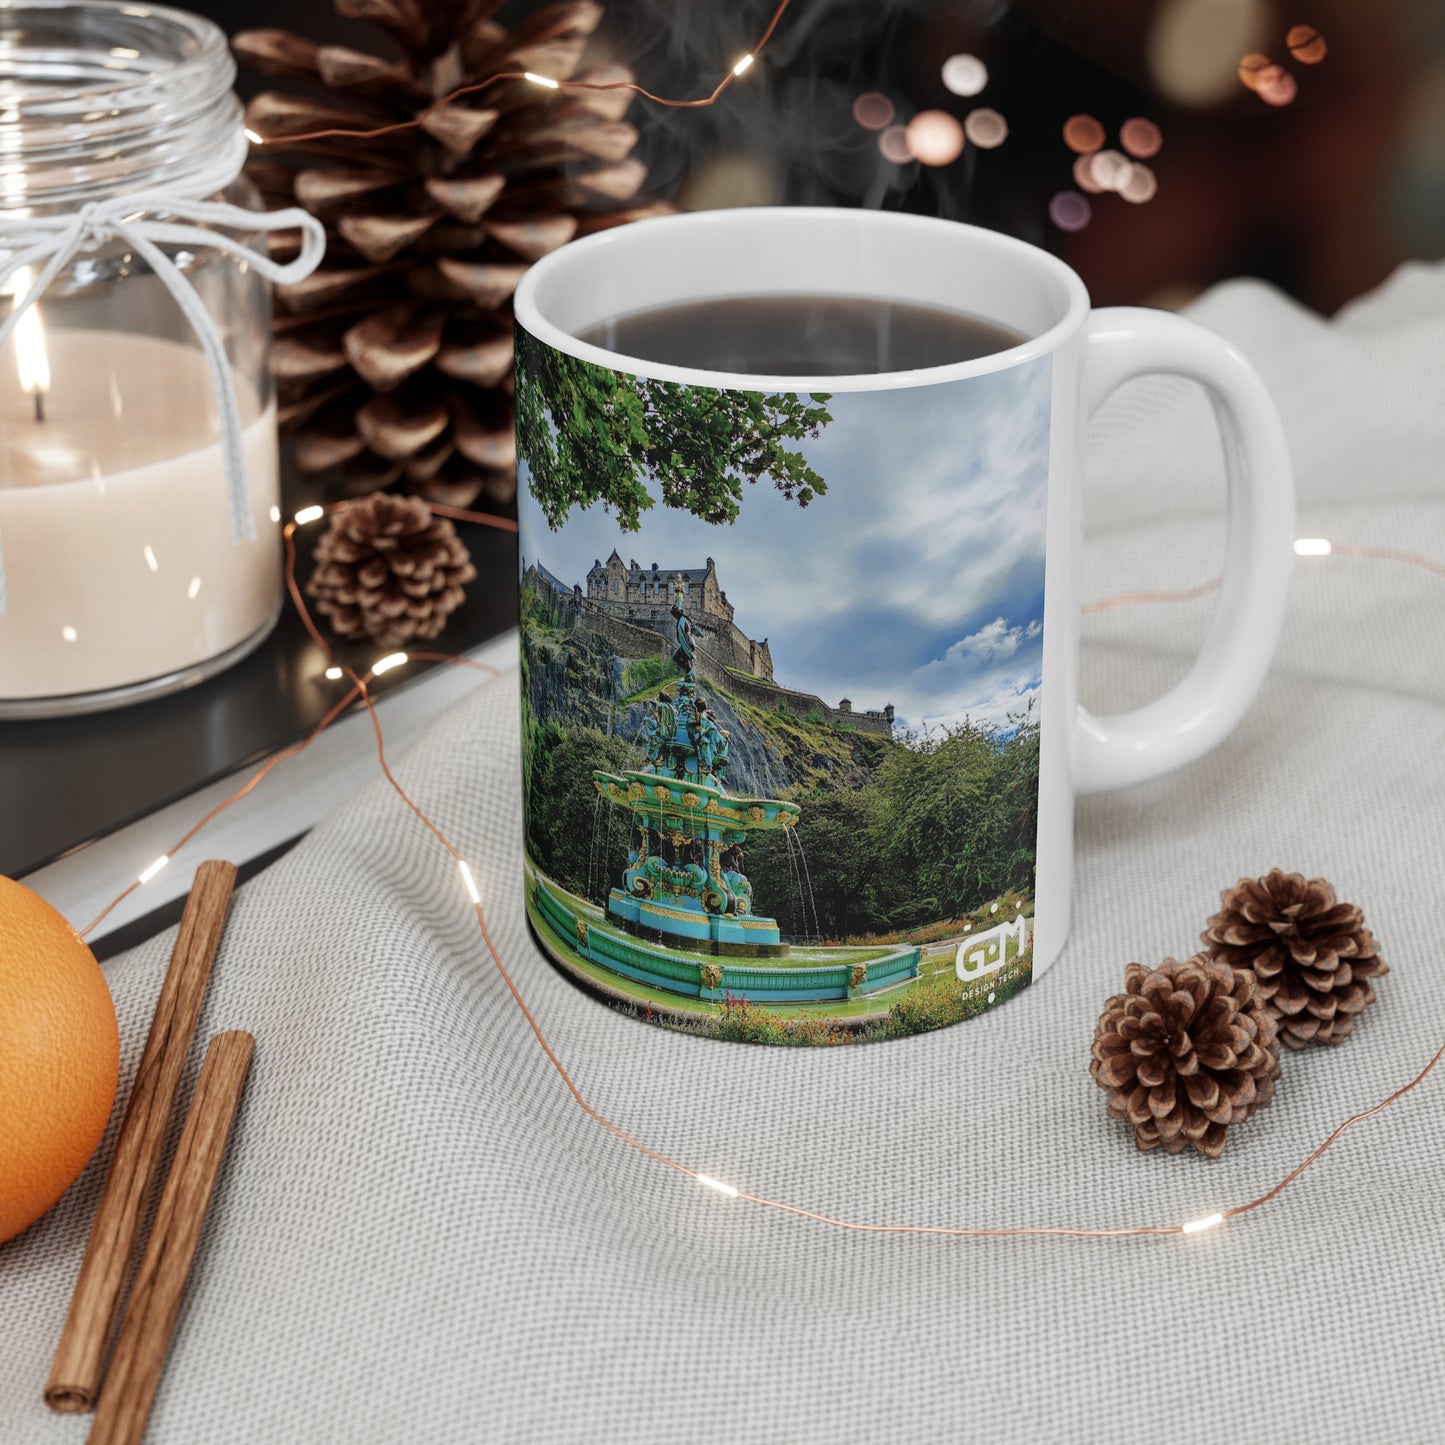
(986,953)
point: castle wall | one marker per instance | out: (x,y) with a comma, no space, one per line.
(623,637)
(556,601)
(769,695)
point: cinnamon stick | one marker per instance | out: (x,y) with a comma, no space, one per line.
(155,1298)
(79,1362)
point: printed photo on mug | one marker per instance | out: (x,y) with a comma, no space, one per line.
(801,519)
(782,658)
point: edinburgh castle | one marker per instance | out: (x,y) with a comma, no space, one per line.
(631,605)
(644,596)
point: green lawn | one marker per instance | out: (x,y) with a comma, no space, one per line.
(937,961)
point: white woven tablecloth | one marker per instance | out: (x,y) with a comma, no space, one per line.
(419,1238)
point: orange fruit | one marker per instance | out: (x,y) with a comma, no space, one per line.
(59,1056)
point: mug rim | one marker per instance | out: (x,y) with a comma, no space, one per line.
(529,312)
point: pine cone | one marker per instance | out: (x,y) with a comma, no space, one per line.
(388,570)
(394,360)
(1313,957)
(1185,1051)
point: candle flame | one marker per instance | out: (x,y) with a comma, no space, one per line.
(30,355)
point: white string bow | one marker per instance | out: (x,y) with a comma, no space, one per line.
(52,242)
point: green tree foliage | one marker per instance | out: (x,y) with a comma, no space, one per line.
(589,434)
(569,836)
(949,823)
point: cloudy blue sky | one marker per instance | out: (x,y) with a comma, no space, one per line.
(918,579)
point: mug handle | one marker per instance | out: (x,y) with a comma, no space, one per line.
(1121,343)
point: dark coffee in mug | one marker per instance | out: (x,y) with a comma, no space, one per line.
(801,335)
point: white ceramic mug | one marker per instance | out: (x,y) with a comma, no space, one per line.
(994,552)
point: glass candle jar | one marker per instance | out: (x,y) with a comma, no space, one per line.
(131,569)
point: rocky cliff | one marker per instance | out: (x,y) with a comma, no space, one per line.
(577,678)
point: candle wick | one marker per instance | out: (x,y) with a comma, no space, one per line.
(39,404)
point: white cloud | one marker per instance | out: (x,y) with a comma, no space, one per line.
(933,523)
(987,676)
(991,643)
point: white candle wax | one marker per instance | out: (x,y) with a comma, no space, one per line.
(114,522)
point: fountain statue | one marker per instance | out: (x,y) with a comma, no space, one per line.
(684,879)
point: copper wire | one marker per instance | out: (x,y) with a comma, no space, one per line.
(1129,599)
(360,690)
(471,89)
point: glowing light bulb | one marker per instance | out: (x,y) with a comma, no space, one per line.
(1312,547)
(893,143)
(1083,134)
(934,137)
(256,140)
(964,74)
(275,513)
(333,674)
(742,64)
(544,80)
(711,1183)
(469,880)
(155,868)
(385,664)
(309,514)
(1196,1225)
(1141,138)
(985,128)
(873,110)
(1306,44)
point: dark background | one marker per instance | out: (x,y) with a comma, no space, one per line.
(1323,196)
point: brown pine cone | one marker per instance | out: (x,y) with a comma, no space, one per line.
(393,361)
(388,570)
(1312,956)
(1185,1051)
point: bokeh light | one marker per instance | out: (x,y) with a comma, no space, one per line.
(985,128)
(873,110)
(1252,66)
(1140,137)
(1070,211)
(1140,185)
(1306,44)
(893,142)
(1110,170)
(1083,134)
(1278,88)
(934,137)
(1194,46)
(965,74)
(1084,175)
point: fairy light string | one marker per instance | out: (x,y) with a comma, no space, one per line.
(545,82)
(360,691)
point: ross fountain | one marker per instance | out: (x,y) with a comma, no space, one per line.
(684,882)
(681,923)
